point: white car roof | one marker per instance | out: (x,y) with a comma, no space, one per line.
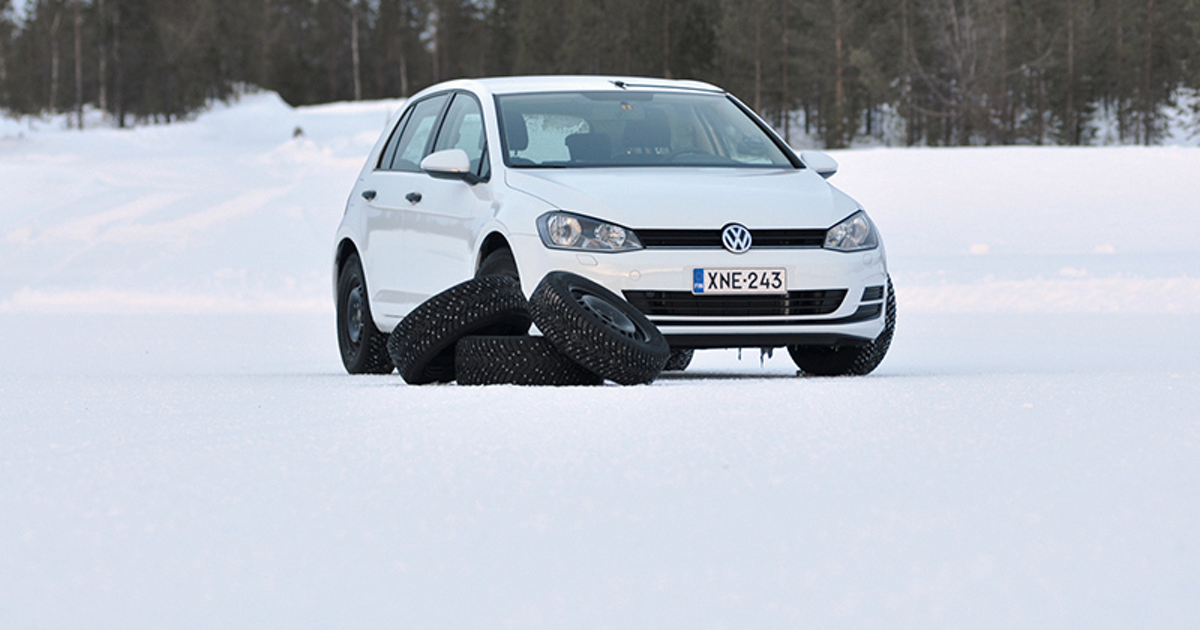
(568,83)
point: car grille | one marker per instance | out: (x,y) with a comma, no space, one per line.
(711,239)
(656,304)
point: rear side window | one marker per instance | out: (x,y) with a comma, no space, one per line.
(411,142)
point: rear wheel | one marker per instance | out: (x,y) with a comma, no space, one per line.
(849,360)
(363,347)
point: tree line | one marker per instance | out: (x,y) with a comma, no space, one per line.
(920,72)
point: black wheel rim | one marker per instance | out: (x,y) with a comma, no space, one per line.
(354,315)
(611,316)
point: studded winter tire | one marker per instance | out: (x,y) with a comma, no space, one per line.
(422,345)
(517,361)
(363,347)
(849,360)
(597,329)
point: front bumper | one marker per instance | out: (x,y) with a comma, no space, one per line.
(659,282)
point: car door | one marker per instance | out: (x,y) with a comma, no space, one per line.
(441,227)
(390,190)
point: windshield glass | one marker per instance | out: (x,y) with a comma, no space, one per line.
(597,129)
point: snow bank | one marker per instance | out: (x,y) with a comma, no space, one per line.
(1034,229)
(231,213)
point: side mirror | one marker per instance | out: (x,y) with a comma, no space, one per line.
(821,162)
(450,164)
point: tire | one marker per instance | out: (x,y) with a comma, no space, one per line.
(363,347)
(597,329)
(517,361)
(498,263)
(422,345)
(849,360)
(680,359)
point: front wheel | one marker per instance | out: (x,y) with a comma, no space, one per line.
(679,360)
(498,263)
(849,360)
(363,347)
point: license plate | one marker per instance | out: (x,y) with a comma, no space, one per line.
(726,281)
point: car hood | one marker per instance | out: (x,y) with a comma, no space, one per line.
(698,198)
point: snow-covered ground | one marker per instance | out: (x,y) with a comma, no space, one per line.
(179,447)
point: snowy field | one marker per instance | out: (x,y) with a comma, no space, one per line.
(179,447)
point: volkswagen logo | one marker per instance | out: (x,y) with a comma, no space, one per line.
(736,238)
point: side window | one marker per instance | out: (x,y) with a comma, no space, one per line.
(414,138)
(463,129)
(389,152)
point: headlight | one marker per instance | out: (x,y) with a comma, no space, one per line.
(561,230)
(852,235)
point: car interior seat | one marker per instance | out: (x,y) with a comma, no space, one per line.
(517,137)
(589,147)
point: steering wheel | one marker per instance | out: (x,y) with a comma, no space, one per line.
(685,152)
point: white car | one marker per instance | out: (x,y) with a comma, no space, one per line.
(672,194)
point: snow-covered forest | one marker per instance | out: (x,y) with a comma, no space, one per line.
(839,72)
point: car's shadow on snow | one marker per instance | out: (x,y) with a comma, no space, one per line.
(690,376)
(677,377)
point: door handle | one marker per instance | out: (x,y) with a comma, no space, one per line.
(413,197)
(369,195)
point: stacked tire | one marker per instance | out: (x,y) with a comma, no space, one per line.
(476,333)
(423,345)
(517,361)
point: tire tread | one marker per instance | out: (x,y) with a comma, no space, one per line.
(423,343)
(492,360)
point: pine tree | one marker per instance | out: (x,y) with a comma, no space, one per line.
(7,27)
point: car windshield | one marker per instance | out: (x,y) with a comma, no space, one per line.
(632,128)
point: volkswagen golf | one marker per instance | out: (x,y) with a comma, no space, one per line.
(672,194)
